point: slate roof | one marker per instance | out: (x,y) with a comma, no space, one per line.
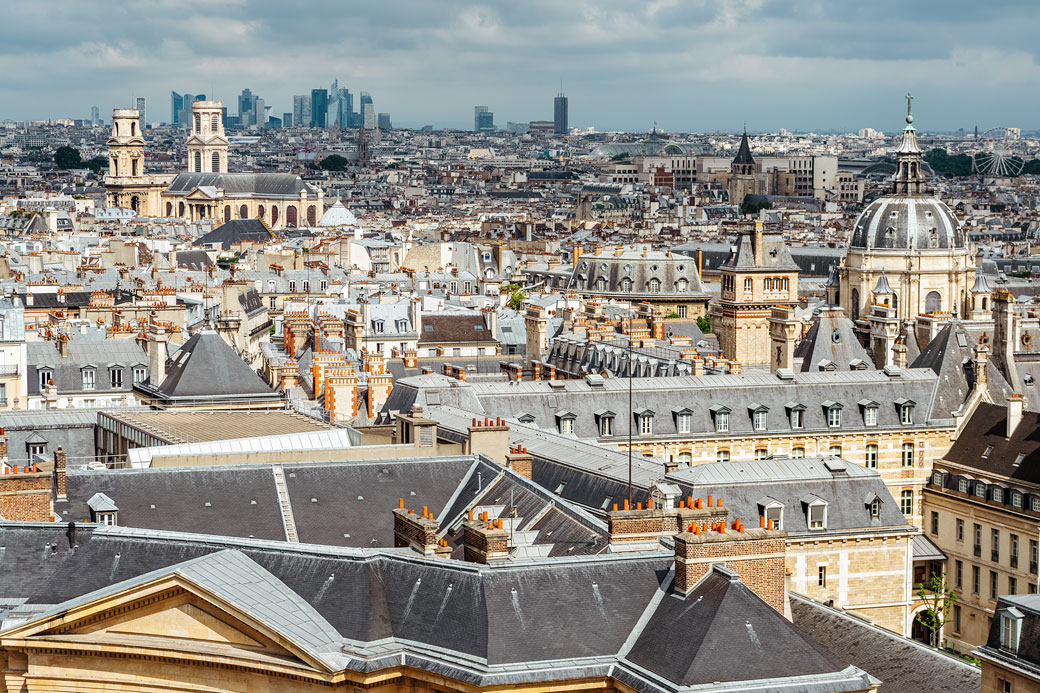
(242,184)
(775,254)
(987,429)
(744,151)
(831,338)
(608,616)
(235,232)
(902,664)
(454,329)
(1027,658)
(205,367)
(67,373)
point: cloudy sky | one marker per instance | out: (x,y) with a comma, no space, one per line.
(689,65)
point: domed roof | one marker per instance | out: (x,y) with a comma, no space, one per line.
(337,215)
(907,222)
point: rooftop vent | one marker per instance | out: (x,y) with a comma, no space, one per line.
(785,374)
(892,371)
(594,380)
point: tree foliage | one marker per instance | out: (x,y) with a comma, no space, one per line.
(704,324)
(938,599)
(516,295)
(96,164)
(753,207)
(948,166)
(67,157)
(334,162)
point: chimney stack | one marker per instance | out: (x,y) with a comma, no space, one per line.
(60,464)
(1014,413)
(485,541)
(156,353)
(418,531)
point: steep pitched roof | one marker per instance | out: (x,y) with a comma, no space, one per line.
(236,231)
(744,152)
(206,367)
(831,338)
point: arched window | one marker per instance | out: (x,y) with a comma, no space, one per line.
(133,167)
(260,212)
(169,209)
(227,212)
(654,285)
(855,304)
(682,285)
(198,123)
(985,301)
(133,127)
(290,216)
(274,215)
(135,203)
(932,302)
(198,162)
(214,123)
(626,285)
(243,212)
(312,215)
(215,163)
(180,209)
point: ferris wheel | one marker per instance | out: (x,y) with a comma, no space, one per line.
(993,155)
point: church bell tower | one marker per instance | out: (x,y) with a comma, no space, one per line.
(207,146)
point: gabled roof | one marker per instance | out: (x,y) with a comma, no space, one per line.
(236,231)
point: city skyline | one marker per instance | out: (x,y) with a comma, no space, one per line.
(687,67)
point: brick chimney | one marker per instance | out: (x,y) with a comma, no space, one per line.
(519,460)
(657,519)
(25,495)
(485,541)
(60,466)
(756,554)
(3,446)
(418,531)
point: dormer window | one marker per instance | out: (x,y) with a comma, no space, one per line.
(683,421)
(682,285)
(89,376)
(116,378)
(606,423)
(103,509)
(870,412)
(1016,499)
(139,374)
(906,411)
(962,485)
(378,326)
(816,512)
(796,414)
(645,418)
(875,507)
(980,489)
(1010,629)
(654,286)
(565,421)
(833,410)
(526,418)
(772,510)
(46,375)
(759,417)
(626,285)
(721,416)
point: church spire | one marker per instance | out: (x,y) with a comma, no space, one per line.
(909,178)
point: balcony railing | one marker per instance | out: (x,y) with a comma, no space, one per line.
(8,371)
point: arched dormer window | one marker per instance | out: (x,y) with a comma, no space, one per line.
(654,285)
(214,123)
(682,285)
(198,123)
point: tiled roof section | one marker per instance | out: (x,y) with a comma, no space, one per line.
(454,329)
(987,428)
(234,232)
(900,663)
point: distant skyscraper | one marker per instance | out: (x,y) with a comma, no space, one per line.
(560,115)
(246,108)
(141,109)
(383,120)
(95,115)
(302,111)
(184,115)
(368,111)
(477,112)
(319,107)
(287,120)
(176,106)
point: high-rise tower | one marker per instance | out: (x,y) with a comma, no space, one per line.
(560,114)
(207,145)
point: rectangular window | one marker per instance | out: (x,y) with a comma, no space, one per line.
(796,418)
(37,450)
(834,451)
(958,574)
(1012,585)
(993,584)
(684,423)
(975,579)
(88,379)
(956,618)
(117,378)
(906,502)
(935,523)
(870,416)
(680,311)
(45,378)
(722,456)
(760,420)
(747,284)
(821,579)
(995,546)
(721,422)
(797,453)
(908,454)
(906,415)
(960,529)
(292,286)
(834,417)
(1013,550)
(977,546)
(817,516)
(139,374)
(871,460)
(566,425)
(646,425)
(761,453)
(776,514)
(1034,549)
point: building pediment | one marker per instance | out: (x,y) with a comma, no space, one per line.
(203,192)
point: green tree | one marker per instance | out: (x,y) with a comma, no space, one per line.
(516,295)
(938,599)
(96,164)
(334,162)
(750,207)
(67,157)
(704,324)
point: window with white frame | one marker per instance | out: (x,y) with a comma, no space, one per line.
(834,451)
(106,518)
(875,507)
(818,515)
(908,454)
(906,414)
(761,453)
(834,416)
(872,455)
(606,426)
(680,310)
(906,502)
(760,419)
(45,377)
(567,425)
(116,375)
(685,458)
(870,416)
(722,456)
(654,286)
(88,378)
(775,512)
(1010,630)
(684,422)
(722,421)
(139,374)
(748,283)
(646,424)
(292,286)
(798,452)
(36,450)
(962,485)
(797,417)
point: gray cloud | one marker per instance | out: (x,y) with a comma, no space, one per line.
(688,64)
